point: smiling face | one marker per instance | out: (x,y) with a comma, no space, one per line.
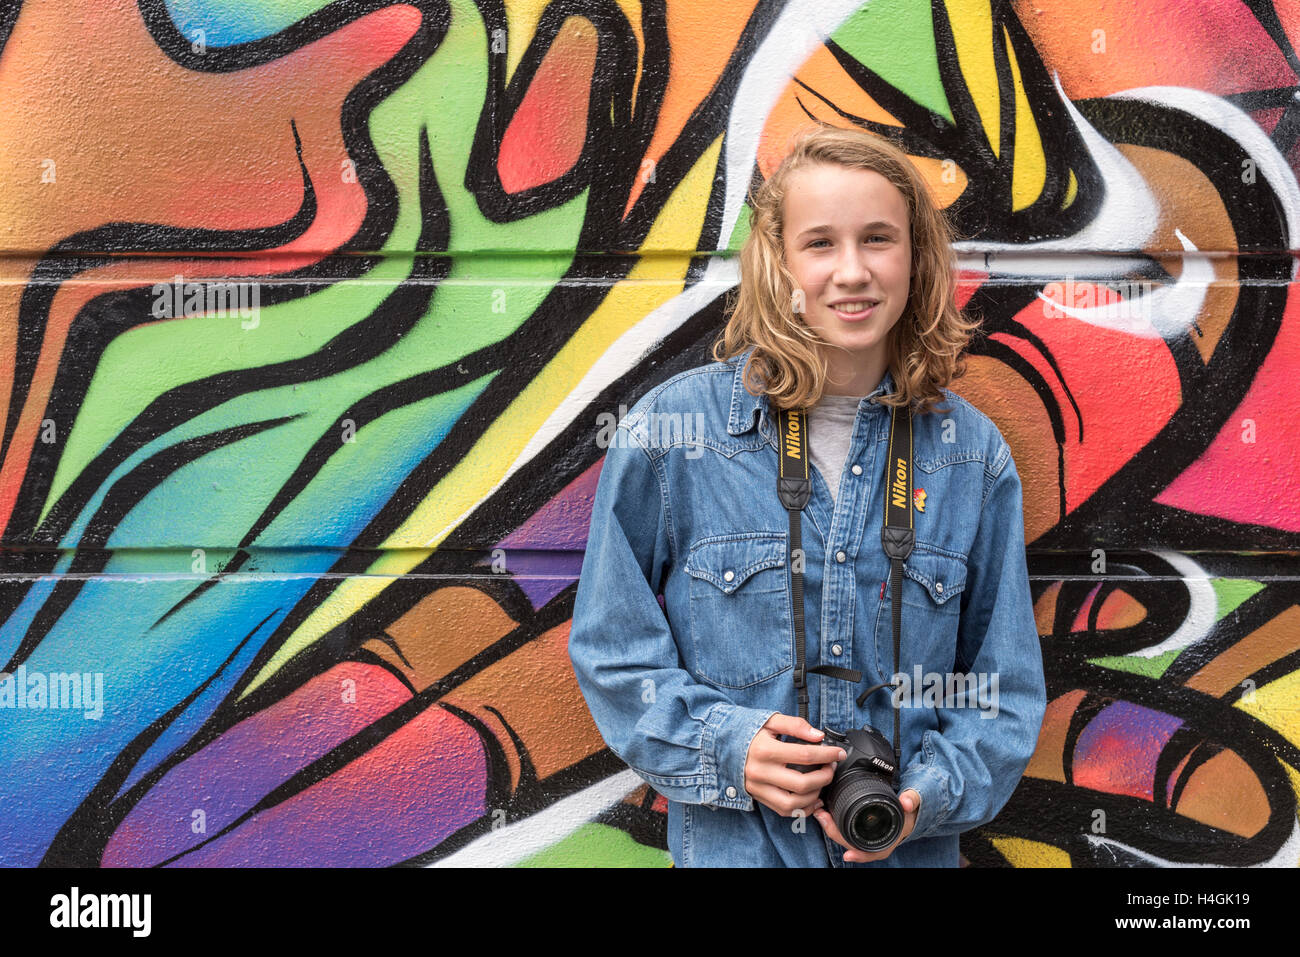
(848,245)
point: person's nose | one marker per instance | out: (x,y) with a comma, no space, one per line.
(851,267)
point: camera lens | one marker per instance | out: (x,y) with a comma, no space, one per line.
(866,811)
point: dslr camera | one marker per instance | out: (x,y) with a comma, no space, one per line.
(860,797)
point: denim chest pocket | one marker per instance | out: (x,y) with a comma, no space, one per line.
(931,609)
(740,609)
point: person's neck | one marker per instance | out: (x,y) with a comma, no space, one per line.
(852,375)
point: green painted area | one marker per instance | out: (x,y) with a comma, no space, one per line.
(499,274)
(740,232)
(598,845)
(1136,664)
(895,40)
(221,491)
(1231,592)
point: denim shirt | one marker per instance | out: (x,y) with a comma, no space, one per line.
(687,507)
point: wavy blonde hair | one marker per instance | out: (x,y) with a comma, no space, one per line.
(925,347)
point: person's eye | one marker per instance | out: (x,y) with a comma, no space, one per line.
(816,241)
(883,238)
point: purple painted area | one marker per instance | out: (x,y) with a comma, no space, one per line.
(543,575)
(399,799)
(546,551)
(250,760)
(1117,751)
(562,523)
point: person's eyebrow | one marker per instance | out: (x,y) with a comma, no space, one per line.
(879,224)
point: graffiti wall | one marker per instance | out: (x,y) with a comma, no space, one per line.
(309,312)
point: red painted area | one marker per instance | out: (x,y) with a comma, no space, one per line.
(546,135)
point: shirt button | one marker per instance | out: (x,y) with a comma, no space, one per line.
(938,586)
(840,556)
(837,649)
(857,470)
(731,792)
(729,574)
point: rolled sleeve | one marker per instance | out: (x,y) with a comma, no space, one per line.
(686,739)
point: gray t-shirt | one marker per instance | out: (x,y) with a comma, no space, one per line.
(830,428)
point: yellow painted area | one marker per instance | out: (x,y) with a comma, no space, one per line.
(972,31)
(1022,852)
(632,10)
(1071,191)
(651,283)
(1029,173)
(1295,786)
(1277,704)
(521,25)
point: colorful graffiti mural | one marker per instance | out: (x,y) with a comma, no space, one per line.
(310,311)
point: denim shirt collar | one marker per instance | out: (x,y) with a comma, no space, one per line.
(744,403)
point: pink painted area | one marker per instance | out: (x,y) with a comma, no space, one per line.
(1263,475)
(250,760)
(1085,608)
(1217,47)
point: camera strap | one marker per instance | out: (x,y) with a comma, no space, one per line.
(794,486)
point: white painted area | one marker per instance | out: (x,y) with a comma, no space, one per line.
(514,842)
(1202,609)
(1288,855)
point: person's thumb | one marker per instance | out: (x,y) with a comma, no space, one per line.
(793,725)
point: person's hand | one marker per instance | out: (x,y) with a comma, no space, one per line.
(909,799)
(770,782)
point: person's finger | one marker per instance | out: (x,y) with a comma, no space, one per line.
(797,782)
(780,800)
(805,753)
(851,853)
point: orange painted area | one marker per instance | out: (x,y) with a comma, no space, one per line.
(1225,793)
(1047,761)
(536,692)
(1274,640)
(118,161)
(701,38)
(1120,610)
(1101,48)
(1045,609)
(443,631)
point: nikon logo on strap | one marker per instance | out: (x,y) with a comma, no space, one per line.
(793,438)
(900,483)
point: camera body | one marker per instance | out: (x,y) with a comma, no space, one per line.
(860,797)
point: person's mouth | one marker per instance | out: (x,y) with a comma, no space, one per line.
(854,310)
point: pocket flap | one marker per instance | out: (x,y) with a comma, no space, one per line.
(729,562)
(941,575)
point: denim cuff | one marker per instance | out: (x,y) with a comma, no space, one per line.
(932,784)
(730,729)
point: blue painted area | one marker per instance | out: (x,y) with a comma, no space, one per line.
(50,759)
(228,22)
